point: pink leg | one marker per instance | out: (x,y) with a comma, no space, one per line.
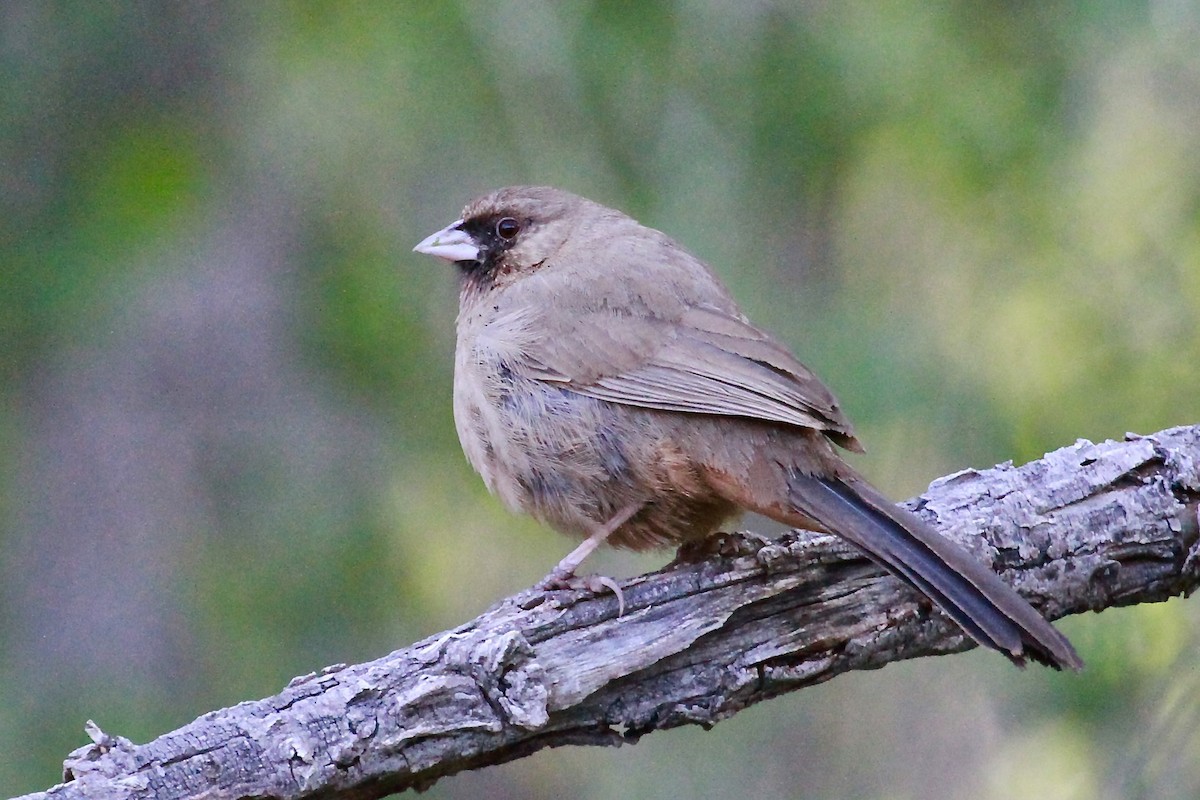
(561,576)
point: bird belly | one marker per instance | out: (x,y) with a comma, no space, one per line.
(562,457)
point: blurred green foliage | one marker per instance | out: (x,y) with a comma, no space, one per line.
(228,456)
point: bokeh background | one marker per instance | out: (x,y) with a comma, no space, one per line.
(227,449)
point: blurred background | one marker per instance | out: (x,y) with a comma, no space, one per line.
(227,449)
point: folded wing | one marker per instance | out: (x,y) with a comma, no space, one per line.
(706,361)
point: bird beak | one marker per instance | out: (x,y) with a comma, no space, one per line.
(451,243)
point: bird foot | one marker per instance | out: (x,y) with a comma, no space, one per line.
(723,544)
(596,584)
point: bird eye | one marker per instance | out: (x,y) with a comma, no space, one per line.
(507,228)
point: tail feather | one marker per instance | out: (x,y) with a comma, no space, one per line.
(974,596)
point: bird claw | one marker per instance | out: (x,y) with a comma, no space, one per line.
(596,584)
(720,544)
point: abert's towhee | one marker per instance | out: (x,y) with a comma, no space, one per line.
(606,383)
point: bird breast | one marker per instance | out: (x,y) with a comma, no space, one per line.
(541,448)
(570,460)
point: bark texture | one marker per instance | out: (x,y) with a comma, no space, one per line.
(1087,527)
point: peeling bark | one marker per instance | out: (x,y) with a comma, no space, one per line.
(1087,527)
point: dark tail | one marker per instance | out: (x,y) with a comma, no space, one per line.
(974,597)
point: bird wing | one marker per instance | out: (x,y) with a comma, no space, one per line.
(706,360)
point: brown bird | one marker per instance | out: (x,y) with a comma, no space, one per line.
(606,383)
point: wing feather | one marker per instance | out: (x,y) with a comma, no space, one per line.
(708,361)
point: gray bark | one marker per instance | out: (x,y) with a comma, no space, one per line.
(1085,528)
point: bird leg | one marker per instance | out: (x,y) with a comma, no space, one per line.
(563,575)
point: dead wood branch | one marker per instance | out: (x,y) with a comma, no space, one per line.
(1085,528)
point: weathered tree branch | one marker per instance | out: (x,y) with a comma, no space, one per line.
(1086,527)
